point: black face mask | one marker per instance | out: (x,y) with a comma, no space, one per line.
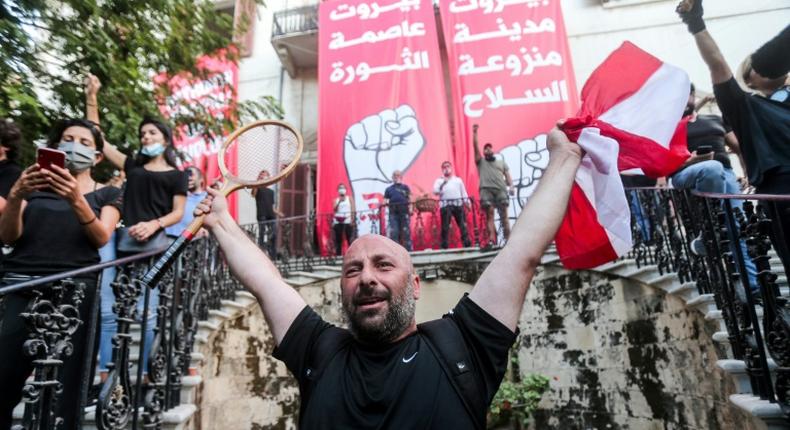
(490,157)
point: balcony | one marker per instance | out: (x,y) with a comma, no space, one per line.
(295,38)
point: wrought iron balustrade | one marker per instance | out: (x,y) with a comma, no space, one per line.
(299,20)
(705,239)
(198,282)
(722,243)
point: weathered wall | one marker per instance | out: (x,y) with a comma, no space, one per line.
(621,355)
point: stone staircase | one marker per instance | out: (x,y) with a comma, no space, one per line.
(181,416)
(770,414)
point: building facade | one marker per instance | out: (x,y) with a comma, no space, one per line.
(281,55)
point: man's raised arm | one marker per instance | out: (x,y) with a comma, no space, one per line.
(501,289)
(280,303)
(690,12)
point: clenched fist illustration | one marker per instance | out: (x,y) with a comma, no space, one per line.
(526,160)
(375,147)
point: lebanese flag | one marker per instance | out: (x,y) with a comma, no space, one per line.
(630,119)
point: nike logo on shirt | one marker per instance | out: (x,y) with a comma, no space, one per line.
(406,360)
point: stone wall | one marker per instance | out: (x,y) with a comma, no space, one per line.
(621,355)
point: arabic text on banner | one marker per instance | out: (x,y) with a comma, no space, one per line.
(382,104)
(511,74)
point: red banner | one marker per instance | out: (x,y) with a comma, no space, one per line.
(382,104)
(511,74)
(215,91)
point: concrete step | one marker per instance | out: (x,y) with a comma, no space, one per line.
(704,303)
(614,265)
(686,291)
(642,274)
(173,419)
(770,413)
(666,282)
(312,275)
(299,281)
(176,418)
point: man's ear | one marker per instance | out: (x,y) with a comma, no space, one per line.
(416,285)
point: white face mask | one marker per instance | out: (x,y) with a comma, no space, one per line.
(341,191)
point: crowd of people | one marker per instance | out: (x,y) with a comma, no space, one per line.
(496,190)
(59,218)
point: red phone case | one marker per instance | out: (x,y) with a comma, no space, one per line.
(46,157)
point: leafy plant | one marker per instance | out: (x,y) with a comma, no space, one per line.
(515,401)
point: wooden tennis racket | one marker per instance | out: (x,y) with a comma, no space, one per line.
(267,145)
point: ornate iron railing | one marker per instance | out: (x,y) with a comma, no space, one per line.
(723,243)
(668,227)
(299,20)
(197,283)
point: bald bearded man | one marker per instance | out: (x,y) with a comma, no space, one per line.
(383,371)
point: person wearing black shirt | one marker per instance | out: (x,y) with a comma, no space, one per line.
(154,198)
(709,168)
(10,138)
(384,374)
(57,220)
(397,197)
(761,125)
(267,216)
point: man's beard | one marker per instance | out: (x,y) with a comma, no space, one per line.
(399,315)
(689,110)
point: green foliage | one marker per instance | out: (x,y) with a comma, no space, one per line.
(517,398)
(49,46)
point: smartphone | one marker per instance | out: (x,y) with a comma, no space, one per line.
(704,149)
(46,158)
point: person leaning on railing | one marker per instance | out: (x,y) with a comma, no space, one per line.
(453,200)
(57,220)
(761,122)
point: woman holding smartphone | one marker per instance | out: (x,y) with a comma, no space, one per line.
(154,198)
(57,219)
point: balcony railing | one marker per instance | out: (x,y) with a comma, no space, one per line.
(300,20)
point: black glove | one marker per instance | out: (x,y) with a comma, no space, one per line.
(692,18)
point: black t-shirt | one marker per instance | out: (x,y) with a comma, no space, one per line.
(149,195)
(762,127)
(264,201)
(708,130)
(52,238)
(398,195)
(9,173)
(394,386)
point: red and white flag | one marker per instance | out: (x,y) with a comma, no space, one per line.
(632,105)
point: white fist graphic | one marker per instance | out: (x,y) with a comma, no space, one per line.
(375,147)
(526,160)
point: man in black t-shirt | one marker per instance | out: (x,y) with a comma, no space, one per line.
(266,215)
(397,197)
(761,125)
(382,372)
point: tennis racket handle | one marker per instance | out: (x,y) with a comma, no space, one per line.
(154,274)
